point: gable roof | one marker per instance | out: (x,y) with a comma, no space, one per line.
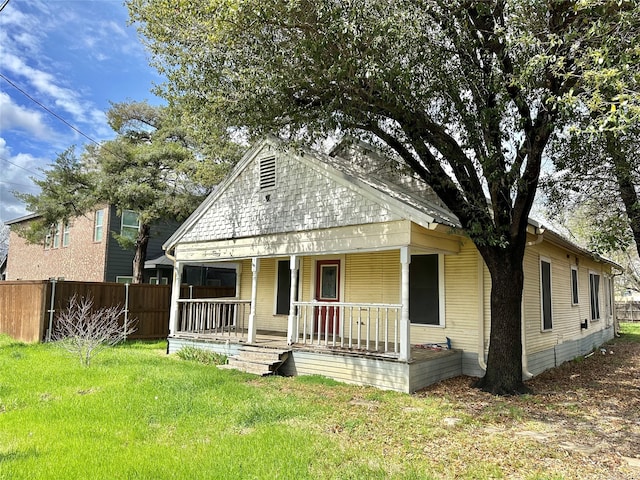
(24,218)
(365,181)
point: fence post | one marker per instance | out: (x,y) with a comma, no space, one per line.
(51,309)
(126,308)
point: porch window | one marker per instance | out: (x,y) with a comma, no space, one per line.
(574,286)
(594,289)
(130,224)
(424,289)
(545,294)
(283,287)
(267,173)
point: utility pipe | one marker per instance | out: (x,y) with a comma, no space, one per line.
(481,361)
(51,310)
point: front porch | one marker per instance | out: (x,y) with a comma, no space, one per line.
(360,367)
(342,315)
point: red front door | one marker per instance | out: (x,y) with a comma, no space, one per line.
(328,290)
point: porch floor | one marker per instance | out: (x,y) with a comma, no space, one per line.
(278,340)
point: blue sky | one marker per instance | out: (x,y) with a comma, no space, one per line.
(74,57)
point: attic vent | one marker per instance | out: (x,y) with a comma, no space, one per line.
(267,173)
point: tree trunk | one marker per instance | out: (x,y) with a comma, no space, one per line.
(623,170)
(142,241)
(504,364)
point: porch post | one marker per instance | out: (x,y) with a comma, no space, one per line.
(255,268)
(292,327)
(405,323)
(174,313)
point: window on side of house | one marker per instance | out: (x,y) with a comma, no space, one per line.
(267,173)
(608,297)
(574,286)
(545,294)
(66,234)
(56,236)
(163,281)
(98,225)
(124,279)
(594,293)
(425,306)
(48,240)
(130,224)
(283,287)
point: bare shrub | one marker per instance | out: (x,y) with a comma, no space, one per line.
(84,332)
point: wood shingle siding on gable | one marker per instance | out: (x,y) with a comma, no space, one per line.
(303,199)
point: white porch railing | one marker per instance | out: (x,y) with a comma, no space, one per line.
(213,316)
(371,327)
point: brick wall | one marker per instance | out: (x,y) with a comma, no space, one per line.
(82,260)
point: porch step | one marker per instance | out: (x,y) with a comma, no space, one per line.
(258,360)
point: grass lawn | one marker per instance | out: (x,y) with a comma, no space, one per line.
(138,413)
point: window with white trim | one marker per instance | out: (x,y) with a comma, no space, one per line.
(575,299)
(98,225)
(608,297)
(283,287)
(124,279)
(594,294)
(267,173)
(426,296)
(66,234)
(130,224)
(545,294)
(56,236)
(163,281)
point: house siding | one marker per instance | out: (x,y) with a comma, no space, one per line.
(82,260)
(359,370)
(372,277)
(567,318)
(303,199)
(120,260)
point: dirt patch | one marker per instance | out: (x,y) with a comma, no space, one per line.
(589,408)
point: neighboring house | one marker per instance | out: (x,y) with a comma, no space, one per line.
(83,249)
(354,266)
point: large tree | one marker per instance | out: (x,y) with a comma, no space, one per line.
(467,93)
(148,168)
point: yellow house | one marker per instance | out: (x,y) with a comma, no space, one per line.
(349,267)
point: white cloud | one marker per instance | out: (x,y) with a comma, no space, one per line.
(16,117)
(46,84)
(16,173)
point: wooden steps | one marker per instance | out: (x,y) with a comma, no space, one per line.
(257,360)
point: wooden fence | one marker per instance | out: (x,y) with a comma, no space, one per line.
(29,308)
(628,311)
